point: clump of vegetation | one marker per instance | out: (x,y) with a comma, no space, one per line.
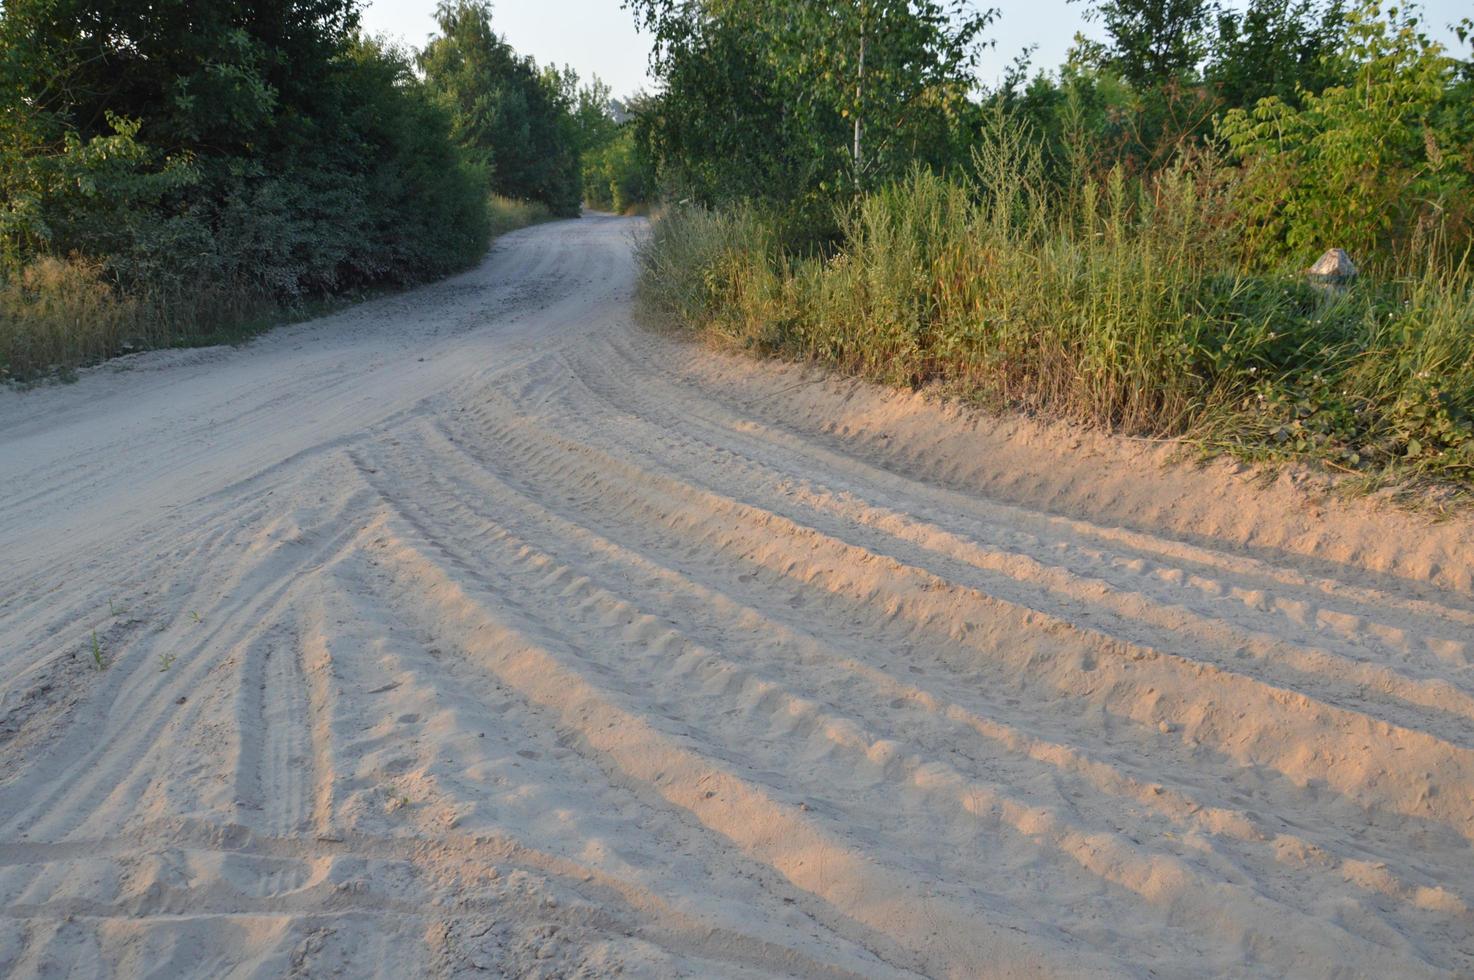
(100,661)
(1126,270)
(617,175)
(1126,310)
(54,312)
(509,213)
(182,172)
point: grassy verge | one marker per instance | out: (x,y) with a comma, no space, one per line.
(509,214)
(1122,306)
(60,314)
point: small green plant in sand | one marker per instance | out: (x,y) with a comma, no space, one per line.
(99,660)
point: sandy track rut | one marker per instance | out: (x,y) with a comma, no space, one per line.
(476,630)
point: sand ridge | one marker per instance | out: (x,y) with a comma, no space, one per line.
(478,630)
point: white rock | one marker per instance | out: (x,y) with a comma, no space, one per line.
(1335,264)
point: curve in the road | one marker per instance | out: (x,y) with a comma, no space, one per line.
(477,629)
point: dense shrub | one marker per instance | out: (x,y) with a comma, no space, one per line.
(173,170)
(616,176)
(1372,166)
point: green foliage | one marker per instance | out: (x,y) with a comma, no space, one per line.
(1270,47)
(1153,42)
(617,176)
(896,71)
(101,192)
(798,102)
(514,119)
(1374,166)
(1091,120)
(175,169)
(1122,305)
(593,122)
(1107,107)
(1280,48)
(721,131)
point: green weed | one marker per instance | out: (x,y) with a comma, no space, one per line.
(99,662)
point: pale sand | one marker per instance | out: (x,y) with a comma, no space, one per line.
(503,636)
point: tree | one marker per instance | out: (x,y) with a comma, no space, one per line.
(260,146)
(512,117)
(898,71)
(1154,42)
(1275,47)
(725,127)
(814,98)
(593,121)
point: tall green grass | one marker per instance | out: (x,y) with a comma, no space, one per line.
(57,314)
(1122,303)
(509,214)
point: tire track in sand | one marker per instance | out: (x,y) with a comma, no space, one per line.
(475,630)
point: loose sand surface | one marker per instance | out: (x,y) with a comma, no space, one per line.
(478,631)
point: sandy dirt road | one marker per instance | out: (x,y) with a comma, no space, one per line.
(476,631)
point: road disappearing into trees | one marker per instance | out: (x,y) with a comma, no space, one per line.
(479,629)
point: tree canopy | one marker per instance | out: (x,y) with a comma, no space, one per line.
(510,116)
(266,143)
(806,100)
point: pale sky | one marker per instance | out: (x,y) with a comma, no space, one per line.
(598,36)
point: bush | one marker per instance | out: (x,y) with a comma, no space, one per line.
(200,166)
(616,176)
(1373,167)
